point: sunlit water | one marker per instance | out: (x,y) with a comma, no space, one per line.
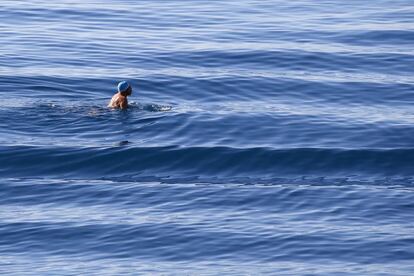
(264,137)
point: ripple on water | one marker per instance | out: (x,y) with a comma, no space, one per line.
(264,137)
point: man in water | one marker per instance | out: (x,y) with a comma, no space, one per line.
(119,100)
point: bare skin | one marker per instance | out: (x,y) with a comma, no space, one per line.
(119,100)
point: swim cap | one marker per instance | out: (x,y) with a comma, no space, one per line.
(123,86)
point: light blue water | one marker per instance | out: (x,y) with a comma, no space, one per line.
(264,137)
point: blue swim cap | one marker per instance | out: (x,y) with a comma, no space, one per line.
(123,86)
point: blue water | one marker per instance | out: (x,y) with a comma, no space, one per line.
(263,137)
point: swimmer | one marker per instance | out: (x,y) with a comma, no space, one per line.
(119,100)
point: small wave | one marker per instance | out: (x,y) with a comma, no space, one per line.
(379,37)
(199,162)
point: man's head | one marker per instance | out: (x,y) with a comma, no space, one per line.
(124,88)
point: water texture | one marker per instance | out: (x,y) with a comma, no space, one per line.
(262,138)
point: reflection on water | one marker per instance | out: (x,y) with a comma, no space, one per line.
(262,137)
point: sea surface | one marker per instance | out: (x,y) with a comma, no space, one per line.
(263,137)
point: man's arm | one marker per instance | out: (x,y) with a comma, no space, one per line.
(124,104)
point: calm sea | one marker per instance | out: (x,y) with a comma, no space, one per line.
(263,137)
